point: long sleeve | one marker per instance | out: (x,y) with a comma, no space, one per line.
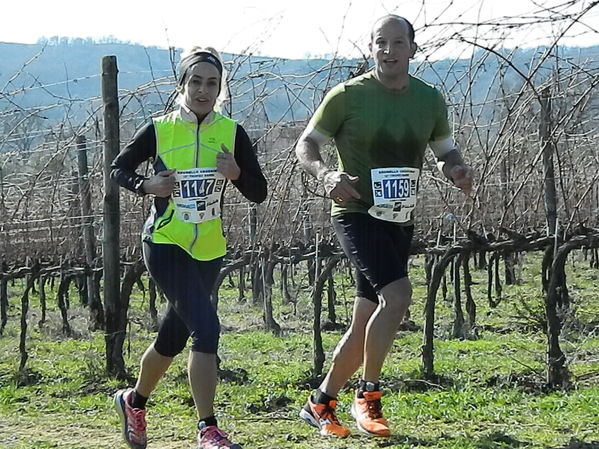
(140,149)
(251,182)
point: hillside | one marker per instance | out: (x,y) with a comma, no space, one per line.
(62,71)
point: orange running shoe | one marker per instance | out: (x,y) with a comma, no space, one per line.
(323,417)
(368,413)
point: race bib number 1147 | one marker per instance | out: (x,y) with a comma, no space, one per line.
(197,194)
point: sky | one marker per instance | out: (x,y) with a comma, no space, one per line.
(302,28)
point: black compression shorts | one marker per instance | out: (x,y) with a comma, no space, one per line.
(378,249)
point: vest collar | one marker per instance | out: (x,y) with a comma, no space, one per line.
(188,116)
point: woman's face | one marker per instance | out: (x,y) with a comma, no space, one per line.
(201,88)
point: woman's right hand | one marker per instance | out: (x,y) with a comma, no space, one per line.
(161,184)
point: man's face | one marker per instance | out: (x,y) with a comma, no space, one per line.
(391,47)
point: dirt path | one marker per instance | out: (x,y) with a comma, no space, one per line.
(51,431)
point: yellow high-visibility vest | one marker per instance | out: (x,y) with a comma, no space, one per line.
(183,145)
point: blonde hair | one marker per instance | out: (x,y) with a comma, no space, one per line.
(198,49)
(224,89)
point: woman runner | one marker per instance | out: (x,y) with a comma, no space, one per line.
(195,152)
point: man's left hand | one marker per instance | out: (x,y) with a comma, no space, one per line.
(462,178)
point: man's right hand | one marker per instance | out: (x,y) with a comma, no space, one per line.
(161,184)
(339,186)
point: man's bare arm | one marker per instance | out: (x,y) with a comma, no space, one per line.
(308,154)
(337,185)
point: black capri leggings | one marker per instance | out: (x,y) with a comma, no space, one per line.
(187,284)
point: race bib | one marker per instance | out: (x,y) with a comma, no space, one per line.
(394,193)
(197,194)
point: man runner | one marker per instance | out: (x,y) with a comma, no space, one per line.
(381,123)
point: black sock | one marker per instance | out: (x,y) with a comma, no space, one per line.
(318,397)
(205,422)
(137,400)
(362,387)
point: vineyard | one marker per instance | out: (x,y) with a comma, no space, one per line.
(505,315)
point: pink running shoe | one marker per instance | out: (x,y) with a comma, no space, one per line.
(211,437)
(133,420)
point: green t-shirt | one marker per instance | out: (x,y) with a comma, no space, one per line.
(375,127)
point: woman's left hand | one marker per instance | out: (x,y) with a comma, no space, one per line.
(226,164)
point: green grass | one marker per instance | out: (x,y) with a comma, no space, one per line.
(489,395)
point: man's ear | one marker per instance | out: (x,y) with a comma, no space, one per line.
(370,48)
(413,48)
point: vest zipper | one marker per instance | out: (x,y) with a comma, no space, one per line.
(196,162)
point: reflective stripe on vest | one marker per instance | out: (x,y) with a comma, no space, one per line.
(183,145)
